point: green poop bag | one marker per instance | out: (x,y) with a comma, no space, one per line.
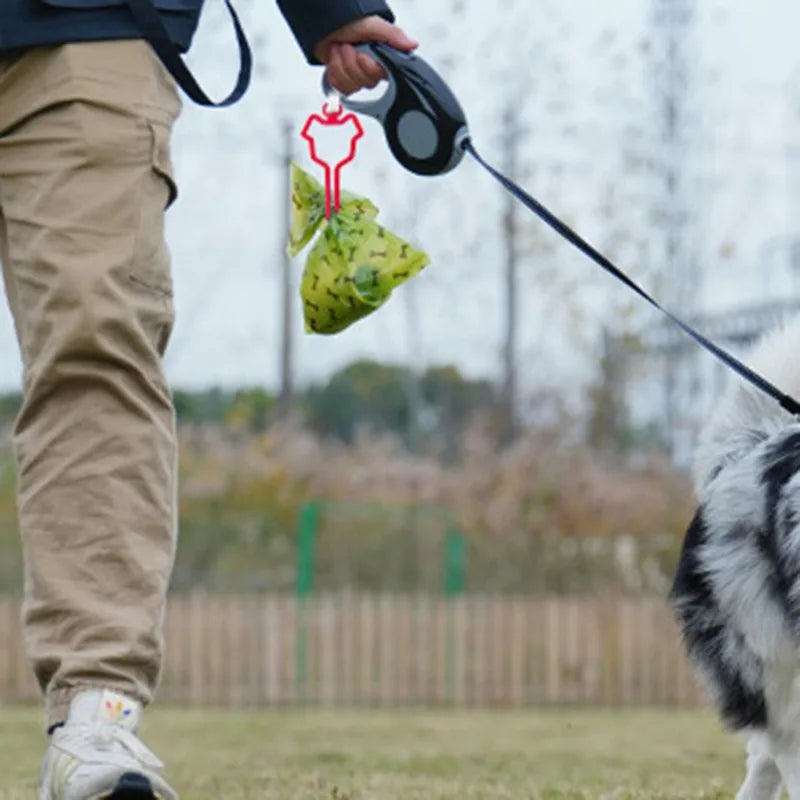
(354,264)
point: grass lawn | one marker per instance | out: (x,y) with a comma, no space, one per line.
(417,755)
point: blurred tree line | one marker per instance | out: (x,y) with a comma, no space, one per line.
(559,508)
(365,397)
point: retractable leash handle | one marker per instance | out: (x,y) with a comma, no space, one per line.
(425,126)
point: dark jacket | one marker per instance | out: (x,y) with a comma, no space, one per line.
(26,23)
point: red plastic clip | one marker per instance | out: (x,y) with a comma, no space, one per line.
(332,116)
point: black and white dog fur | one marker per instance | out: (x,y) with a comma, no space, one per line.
(737,589)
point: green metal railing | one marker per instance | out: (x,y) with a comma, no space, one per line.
(454,560)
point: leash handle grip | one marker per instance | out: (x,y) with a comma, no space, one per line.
(425,126)
(377,109)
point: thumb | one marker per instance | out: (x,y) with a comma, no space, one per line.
(367,29)
(377,29)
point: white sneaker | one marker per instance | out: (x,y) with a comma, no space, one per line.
(96,754)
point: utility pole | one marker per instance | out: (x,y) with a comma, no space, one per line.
(793,158)
(413,379)
(287,305)
(672,20)
(510,229)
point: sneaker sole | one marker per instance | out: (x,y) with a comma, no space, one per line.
(132,786)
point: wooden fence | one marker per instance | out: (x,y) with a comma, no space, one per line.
(349,649)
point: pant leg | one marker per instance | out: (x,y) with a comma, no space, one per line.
(84,181)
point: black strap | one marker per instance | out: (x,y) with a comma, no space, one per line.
(156,33)
(788,403)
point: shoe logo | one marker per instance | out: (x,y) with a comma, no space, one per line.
(116,711)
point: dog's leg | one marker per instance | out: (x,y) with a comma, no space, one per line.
(788,762)
(782,741)
(763,779)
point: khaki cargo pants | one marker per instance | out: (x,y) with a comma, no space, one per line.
(84,182)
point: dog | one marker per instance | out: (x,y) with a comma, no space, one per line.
(736,593)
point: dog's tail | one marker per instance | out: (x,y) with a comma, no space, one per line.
(745,415)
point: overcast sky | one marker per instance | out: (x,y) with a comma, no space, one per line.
(579,71)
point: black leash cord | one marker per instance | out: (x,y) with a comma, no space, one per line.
(787,402)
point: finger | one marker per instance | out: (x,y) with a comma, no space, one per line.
(337,74)
(352,68)
(371,70)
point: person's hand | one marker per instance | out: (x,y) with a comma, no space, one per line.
(350,70)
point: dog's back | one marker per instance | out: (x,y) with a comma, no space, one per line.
(737,590)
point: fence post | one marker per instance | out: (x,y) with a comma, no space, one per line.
(455,563)
(306,550)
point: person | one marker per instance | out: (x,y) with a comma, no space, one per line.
(86,114)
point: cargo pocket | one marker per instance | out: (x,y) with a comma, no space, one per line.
(150,275)
(162,160)
(151,263)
